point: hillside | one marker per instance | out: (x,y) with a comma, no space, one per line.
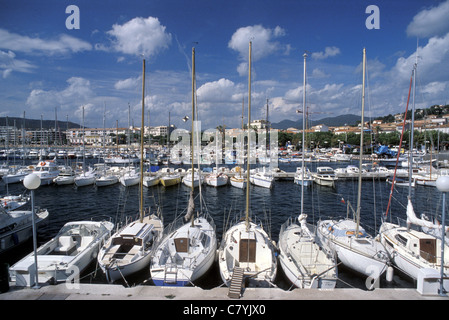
(32,124)
(348,119)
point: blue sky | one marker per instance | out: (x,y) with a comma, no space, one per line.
(45,66)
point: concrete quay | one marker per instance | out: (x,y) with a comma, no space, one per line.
(119,292)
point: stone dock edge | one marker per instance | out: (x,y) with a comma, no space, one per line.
(118,292)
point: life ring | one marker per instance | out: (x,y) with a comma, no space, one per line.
(42,163)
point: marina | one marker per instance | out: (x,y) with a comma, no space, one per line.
(66,203)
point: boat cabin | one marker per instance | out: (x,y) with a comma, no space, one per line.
(247,248)
(137,235)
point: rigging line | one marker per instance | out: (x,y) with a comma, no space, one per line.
(400,144)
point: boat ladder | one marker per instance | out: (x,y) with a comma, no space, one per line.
(235,288)
(171,270)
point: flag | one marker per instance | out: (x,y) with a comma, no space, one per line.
(342,200)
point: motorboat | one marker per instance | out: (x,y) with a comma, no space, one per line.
(16,226)
(71,250)
(47,171)
(66,176)
(307,180)
(325,176)
(16,175)
(14,202)
(121,160)
(341,157)
(128,250)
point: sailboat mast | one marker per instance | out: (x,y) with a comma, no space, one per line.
(248,156)
(303,132)
(141,142)
(359,193)
(410,159)
(193,114)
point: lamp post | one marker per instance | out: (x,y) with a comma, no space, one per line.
(32,182)
(442,184)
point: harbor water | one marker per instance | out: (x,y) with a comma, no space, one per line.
(271,206)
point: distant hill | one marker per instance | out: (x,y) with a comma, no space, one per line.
(349,119)
(32,124)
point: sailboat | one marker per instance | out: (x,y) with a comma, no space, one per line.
(354,247)
(413,252)
(129,249)
(187,251)
(85,178)
(246,250)
(304,263)
(217,178)
(238,180)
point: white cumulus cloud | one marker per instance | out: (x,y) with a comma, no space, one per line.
(140,36)
(77,92)
(430,22)
(328,52)
(62,45)
(263,43)
(130,83)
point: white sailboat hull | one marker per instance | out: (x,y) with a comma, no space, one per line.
(303,261)
(129,250)
(362,254)
(130,180)
(260,265)
(82,181)
(106,181)
(184,255)
(64,180)
(217,180)
(261,181)
(114,272)
(150,181)
(412,251)
(238,182)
